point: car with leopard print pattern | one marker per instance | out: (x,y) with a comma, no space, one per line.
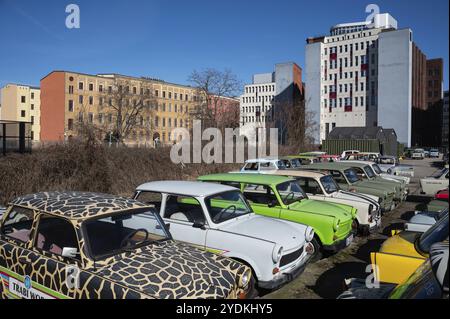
(59,245)
(219,219)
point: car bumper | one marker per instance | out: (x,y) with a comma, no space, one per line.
(374,225)
(285,277)
(339,245)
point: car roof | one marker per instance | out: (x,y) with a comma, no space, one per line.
(299,173)
(77,205)
(247,178)
(262,160)
(326,165)
(365,163)
(354,163)
(187,188)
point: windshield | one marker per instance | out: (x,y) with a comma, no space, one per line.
(422,284)
(226,206)
(329,184)
(386,160)
(437,233)
(281,165)
(351,175)
(124,231)
(369,172)
(290,192)
(438,174)
(377,169)
(295,163)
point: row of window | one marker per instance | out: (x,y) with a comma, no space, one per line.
(347,37)
(260,88)
(349,75)
(356,101)
(252,99)
(134,90)
(343,88)
(349,47)
(158,107)
(23,98)
(256,119)
(348,62)
(254,109)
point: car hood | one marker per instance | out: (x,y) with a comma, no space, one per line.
(170,270)
(401,244)
(288,234)
(339,211)
(374,186)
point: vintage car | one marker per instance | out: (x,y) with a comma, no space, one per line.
(348,180)
(304,159)
(434,153)
(391,166)
(259,165)
(217,218)
(428,281)
(442,195)
(59,245)
(330,158)
(418,153)
(322,187)
(282,197)
(366,173)
(401,254)
(365,156)
(349,152)
(434,183)
(422,221)
(378,172)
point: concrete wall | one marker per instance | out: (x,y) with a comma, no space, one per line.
(395,83)
(312,89)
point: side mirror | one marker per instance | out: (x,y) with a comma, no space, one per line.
(199,225)
(69,252)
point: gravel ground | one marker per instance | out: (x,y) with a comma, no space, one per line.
(324,279)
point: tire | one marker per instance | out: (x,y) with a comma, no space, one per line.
(1,290)
(253,291)
(318,251)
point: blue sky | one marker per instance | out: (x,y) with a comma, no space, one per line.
(168,39)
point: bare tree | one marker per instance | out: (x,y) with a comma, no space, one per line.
(212,86)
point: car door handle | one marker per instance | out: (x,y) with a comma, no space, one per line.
(24,260)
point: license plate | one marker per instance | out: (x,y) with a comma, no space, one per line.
(349,240)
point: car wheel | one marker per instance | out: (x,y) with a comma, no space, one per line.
(2,296)
(318,253)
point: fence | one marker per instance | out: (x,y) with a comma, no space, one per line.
(15,137)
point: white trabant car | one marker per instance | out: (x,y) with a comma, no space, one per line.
(378,172)
(418,153)
(391,166)
(218,218)
(259,165)
(321,186)
(434,183)
(422,221)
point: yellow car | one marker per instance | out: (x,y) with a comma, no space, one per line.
(405,251)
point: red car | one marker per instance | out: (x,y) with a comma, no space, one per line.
(442,195)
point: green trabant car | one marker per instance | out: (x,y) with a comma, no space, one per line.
(282,197)
(348,179)
(366,172)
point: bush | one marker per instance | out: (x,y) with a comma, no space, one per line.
(94,168)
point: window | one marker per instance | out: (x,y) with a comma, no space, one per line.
(80,99)
(91,100)
(80,85)
(70,124)
(91,87)
(54,234)
(22,99)
(91,118)
(22,113)
(32,95)
(100,88)
(134,90)
(18,224)
(310,186)
(32,106)
(70,105)
(70,89)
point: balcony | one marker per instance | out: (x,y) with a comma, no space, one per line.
(333,95)
(348,108)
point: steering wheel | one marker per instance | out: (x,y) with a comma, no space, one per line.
(128,237)
(292,194)
(217,217)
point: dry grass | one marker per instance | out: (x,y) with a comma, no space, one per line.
(88,167)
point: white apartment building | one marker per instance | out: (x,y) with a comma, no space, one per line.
(347,73)
(256,104)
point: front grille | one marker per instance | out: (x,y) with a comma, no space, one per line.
(289,258)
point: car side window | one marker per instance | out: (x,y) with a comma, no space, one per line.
(310,186)
(259,194)
(251,167)
(54,234)
(338,177)
(185,209)
(18,224)
(151,198)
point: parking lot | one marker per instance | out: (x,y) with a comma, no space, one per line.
(324,279)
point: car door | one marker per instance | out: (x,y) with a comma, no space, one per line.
(185,218)
(262,200)
(312,188)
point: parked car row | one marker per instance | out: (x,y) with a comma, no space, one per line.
(224,236)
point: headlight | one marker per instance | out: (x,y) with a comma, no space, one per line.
(245,279)
(276,254)
(336,224)
(370,209)
(309,233)
(380,200)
